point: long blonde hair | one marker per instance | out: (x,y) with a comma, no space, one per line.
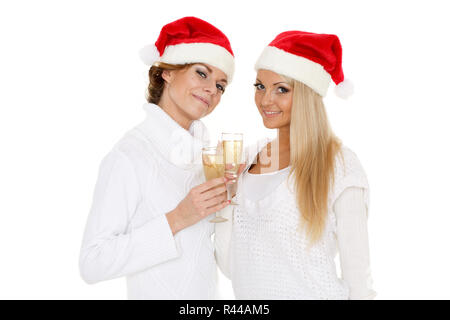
(313,147)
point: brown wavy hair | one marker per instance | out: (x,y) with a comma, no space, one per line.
(156,81)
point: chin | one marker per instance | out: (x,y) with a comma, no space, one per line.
(197,112)
(271,125)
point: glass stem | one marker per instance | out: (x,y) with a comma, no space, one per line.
(229,191)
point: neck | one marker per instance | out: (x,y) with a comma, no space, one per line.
(283,139)
(278,150)
(174,111)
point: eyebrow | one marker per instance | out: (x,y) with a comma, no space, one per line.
(210,71)
(257,80)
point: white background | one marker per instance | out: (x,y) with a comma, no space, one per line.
(71,84)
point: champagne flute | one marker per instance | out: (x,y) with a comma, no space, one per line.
(213,168)
(232,145)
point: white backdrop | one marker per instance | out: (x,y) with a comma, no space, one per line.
(71,84)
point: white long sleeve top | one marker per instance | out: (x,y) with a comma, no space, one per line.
(147,173)
(263,253)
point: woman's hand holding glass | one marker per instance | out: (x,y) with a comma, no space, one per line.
(201,201)
(224,160)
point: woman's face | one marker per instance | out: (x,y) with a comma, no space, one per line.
(195,90)
(273,97)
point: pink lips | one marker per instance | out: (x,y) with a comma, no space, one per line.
(202,100)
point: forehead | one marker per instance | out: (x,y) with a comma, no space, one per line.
(270,76)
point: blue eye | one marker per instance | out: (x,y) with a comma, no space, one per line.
(220,87)
(202,74)
(282,90)
(259,86)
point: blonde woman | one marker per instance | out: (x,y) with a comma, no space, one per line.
(148,220)
(305,195)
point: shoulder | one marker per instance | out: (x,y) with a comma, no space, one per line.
(133,140)
(137,148)
(349,172)
(116,160)
(131,154)
(347,164)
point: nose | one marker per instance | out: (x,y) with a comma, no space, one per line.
(266,99)
(210,87)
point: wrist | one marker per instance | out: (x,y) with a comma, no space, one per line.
(173,220)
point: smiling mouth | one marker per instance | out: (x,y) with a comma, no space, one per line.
(271,114)
(202,100)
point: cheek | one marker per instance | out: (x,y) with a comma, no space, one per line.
(178,88)
(258,98)
(194,81)
(215,101)
(285,104)
(186,84)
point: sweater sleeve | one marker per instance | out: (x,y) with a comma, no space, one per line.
(222,241)
(110,248)
(353,243)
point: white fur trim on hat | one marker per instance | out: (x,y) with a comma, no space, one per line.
(301,69)
(208,53)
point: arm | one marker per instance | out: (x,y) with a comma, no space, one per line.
(109,248)
(353,242)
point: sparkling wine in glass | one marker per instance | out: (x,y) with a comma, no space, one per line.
(213,167)
(232,145)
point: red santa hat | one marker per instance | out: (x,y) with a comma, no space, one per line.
(191,40)
(311,58)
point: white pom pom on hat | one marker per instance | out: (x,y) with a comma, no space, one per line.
(149,54)
(344,89)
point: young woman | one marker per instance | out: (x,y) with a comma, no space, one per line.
(305,195)
(148,219)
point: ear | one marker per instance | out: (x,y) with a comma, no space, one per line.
(167,75)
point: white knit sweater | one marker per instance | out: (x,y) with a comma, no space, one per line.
(267,258)
(148,172)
